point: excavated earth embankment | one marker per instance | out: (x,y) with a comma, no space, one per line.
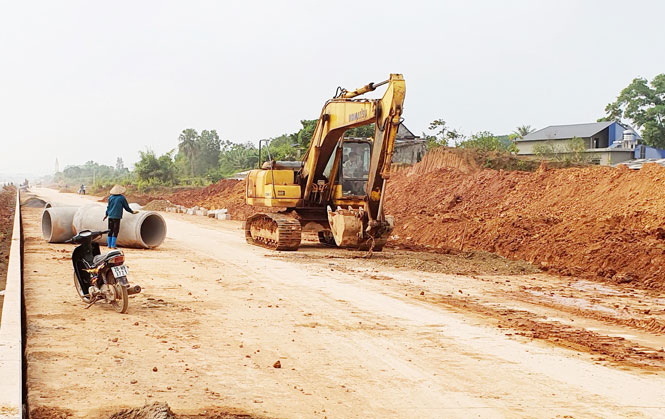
(593,222)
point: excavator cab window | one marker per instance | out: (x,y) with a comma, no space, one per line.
(355,168)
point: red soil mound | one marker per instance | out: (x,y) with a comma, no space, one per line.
(595,222)
(470,161)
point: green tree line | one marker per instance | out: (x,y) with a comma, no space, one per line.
(197,159)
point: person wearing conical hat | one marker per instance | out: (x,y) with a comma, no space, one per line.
(114,210)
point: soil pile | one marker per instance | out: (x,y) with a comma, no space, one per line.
(149,411)
(31,201)
(157,205)
(49,412)
(594,222)
(227,193)
(469,161)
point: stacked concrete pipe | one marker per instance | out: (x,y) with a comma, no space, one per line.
(57,223)
(146,230)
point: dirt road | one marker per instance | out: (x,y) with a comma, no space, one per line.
(403,334)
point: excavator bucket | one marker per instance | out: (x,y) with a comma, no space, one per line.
(346,226)
(348,229)
(379,235)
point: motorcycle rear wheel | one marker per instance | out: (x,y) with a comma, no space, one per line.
(121,302)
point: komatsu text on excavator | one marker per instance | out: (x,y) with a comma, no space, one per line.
(338,188)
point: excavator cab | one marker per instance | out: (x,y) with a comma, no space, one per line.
(355,167)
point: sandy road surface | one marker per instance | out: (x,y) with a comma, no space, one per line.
(400,335)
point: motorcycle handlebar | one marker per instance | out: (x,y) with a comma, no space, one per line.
(94,234)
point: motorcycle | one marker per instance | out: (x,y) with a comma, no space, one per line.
(100,277)
(82,190)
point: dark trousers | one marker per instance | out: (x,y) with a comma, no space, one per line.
(114,226)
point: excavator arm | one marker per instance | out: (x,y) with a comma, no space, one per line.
(344,112)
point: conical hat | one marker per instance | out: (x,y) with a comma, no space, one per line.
(118,190)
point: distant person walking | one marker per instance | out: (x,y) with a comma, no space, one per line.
(117,202)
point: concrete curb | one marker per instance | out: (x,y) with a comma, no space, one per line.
(11,333)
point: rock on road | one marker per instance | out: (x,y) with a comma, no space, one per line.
(216,314)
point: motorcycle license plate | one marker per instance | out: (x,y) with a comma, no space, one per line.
(119,271)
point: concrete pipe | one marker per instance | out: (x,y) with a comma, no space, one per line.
(135,206)
(146,230)
(51,204)
(57,224)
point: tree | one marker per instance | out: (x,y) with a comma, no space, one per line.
(486,141)
(574,151)
(304,136)
(208,147)
(441,134)
(546,150)
(237,157)
(363,131)
(187,145)
(153,168)
(643,103)
(293,146)
(119,164)
(522,131)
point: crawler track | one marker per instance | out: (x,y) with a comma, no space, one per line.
(274,231)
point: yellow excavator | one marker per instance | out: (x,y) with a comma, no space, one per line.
(338,188)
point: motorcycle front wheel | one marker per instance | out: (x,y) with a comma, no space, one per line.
(82,294)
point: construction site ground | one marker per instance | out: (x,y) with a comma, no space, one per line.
(400,334)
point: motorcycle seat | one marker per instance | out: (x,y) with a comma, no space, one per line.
(97,259)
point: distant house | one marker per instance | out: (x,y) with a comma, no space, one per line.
(609,142)
(409,148)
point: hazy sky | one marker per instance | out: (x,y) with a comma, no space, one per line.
(84,80)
